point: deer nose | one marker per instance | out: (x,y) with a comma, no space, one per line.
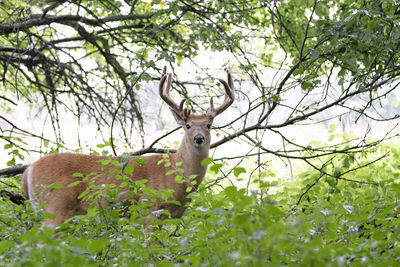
(199,139)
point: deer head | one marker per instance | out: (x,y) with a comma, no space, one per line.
(197,127)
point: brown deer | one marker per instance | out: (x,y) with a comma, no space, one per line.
(62,168)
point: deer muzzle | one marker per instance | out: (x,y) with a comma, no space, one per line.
(199,139)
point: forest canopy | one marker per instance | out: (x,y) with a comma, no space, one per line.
(294,62)
(316,85)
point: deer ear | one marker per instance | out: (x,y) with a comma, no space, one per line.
(178,118)
(182,114)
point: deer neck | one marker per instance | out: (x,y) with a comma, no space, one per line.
(191,158)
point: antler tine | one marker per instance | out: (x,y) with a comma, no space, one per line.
(229,97)
(164,93)
(230,81)
(164,90)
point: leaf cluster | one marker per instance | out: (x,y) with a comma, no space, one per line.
(336,223)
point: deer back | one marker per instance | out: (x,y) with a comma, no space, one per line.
(65,169)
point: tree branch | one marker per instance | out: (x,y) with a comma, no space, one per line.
(38,20)
(14,170)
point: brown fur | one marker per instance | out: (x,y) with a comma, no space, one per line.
(60,167)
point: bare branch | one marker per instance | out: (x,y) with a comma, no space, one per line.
(14,170)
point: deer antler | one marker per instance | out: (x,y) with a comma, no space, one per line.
(228,100)
(182,113)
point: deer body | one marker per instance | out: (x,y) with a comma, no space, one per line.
(60,167)
(64,202)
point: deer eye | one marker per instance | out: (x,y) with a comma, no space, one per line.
(187,126)
(208,126)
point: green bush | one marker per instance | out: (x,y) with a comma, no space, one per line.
(337,222)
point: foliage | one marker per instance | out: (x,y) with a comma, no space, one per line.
(294,62)
(336,223)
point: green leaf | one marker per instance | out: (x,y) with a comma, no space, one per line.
(179,59)
(332,181)
(172,202)
(238,170)
(48,216)
(231,191)
(193,176)
(333,128)
(178,164)
(140,161)
(74,184)
(96,246)
(56,185)
(179,179)
(216,167)
(170,172)
(306,85)
(206,161)
(129,169)
(5,245)
(8,146)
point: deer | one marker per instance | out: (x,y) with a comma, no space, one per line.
(62,168)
